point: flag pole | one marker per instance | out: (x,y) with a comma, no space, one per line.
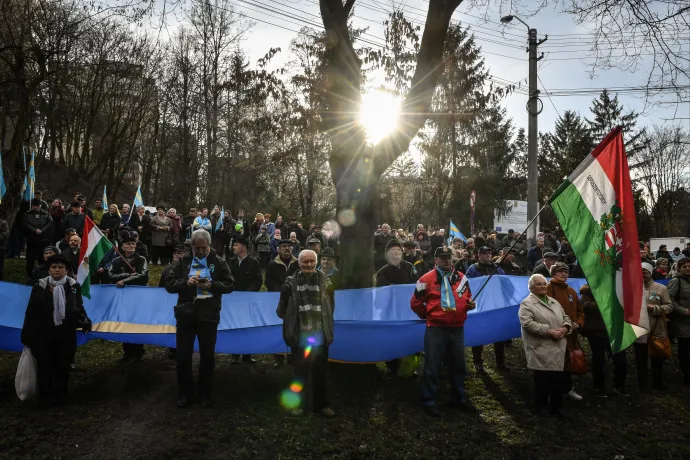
(511,248)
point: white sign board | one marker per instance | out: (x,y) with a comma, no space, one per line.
(515,219)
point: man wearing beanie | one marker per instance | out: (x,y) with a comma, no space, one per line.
(38,228)
(396,271)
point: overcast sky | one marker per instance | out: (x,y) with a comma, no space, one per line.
(565,65)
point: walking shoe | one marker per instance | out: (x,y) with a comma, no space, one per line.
(574,396)
(621,392)
(602,393)
(327,412)
(431,411)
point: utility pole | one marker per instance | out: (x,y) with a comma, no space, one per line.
(534,108)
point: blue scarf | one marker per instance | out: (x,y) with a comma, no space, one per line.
(447,296)
(202,222)
(200,270)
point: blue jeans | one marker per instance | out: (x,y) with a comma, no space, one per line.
(445,344)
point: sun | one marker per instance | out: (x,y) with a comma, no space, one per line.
(378,114)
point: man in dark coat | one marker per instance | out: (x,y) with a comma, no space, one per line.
(130,269)
(414,257)
(74,251)
(329,269)
(507,265)
(75,219)
(381,239)
(200,279)
(38,228)
(278,270)
(246,272)
(485,268)
(543,269)
(396,271)
(438,239)
(50,328)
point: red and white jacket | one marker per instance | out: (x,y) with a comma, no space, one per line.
(426,300)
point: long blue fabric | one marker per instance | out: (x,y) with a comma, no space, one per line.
(370,324)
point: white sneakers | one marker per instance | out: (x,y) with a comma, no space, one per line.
(574,396)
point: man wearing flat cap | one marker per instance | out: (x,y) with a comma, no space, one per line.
(442,297)
(129,269)
(329,269)
(38,228)
(396,271)
(544,268)
(508,265)
(485,267)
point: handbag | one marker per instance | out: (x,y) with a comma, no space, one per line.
(578,362)
(659,348)
(26,380)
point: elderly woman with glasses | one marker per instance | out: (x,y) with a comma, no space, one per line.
(545,326)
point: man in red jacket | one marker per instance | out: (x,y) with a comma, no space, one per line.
(443,298)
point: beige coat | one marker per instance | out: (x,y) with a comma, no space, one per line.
(537,319)
(656,295)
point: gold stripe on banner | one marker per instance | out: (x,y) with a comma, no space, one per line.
(132,328)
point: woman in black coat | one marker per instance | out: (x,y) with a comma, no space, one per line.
(54,313)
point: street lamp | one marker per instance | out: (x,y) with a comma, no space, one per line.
(533,111)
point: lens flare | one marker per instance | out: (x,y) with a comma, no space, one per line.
(307,351)
(296,387)
(311,340)
(290,400)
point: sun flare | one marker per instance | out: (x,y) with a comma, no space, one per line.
(378,114)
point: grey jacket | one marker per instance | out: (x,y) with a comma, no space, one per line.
(537,319)
(288,309)
(159,235)
(679,290)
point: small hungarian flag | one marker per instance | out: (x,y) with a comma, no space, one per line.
(596,210)
(94,247)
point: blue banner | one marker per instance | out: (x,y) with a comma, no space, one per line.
(371,325)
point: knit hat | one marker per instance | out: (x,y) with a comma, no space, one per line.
(648,267)
(35,202)
(51,248)
(557,267)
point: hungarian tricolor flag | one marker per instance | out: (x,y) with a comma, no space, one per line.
(596,210)
(94,247)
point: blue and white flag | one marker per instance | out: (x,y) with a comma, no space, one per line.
(138,200)
(220,219)
(29,180)
(105,199)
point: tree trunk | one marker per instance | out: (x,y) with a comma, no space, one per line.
(355,168)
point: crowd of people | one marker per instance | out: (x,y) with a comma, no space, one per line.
(208,255)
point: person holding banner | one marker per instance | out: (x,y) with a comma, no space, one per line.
(199,279)
(442,297)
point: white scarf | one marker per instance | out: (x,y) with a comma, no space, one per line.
(58,299)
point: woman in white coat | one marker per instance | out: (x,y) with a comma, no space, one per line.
(544,329)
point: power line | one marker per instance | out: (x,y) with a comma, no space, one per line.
(549,96)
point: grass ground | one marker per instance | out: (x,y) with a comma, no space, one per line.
(128,411)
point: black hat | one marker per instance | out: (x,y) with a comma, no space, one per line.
(51,248)
(312,240)
(242,240)
(75,204)
(485,250)
(124,234)
(35,201)
(443,252)
(288,241)
(58,259)
(409,244)
(180,248)
(552,256)
(160,207)
(676,249)
(392,244)
(129,239)
(328,252)
(511,231)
